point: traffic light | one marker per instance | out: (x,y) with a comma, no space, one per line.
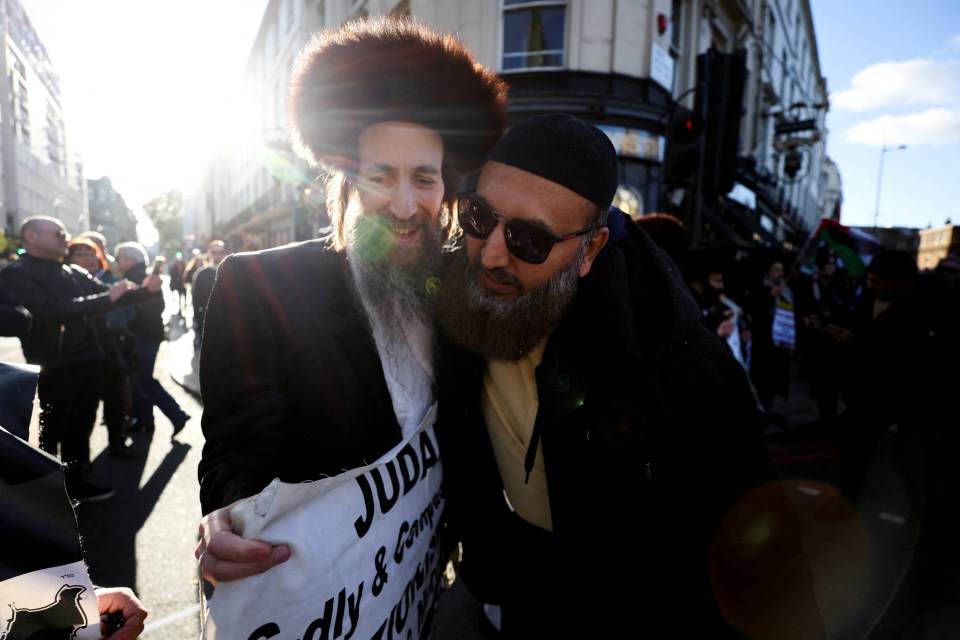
(721,78)
(684,146)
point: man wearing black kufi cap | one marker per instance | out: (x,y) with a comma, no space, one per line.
(316,356)
(602,464)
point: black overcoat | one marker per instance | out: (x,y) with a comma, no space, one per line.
(290,378)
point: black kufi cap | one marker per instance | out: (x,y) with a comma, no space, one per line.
(565,150)
(393,68)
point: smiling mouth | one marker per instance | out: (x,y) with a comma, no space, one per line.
(404,231)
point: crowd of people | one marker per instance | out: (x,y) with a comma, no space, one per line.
(93,324)
(870,341)
(479,295)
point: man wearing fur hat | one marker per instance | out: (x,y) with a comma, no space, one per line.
(602,461)
(321,358)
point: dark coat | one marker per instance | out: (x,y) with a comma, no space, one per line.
(291,380)
(649,435)
(145,320)
(63,299)
(201,288)
(14,318)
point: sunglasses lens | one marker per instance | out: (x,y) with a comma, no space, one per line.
(477,220)
(528,242)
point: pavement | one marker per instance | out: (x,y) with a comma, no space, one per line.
(871,583)
(184,362)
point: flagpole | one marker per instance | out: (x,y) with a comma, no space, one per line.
(803,250)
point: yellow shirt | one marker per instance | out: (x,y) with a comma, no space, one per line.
(509,402)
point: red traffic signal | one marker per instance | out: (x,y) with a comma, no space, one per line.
(686,125)
(684,146)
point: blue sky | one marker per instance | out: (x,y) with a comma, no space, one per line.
(893,76)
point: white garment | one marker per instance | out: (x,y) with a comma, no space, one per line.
(406,357)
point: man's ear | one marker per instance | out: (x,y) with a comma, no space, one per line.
(596,243)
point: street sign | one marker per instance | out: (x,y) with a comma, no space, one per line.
(788,126)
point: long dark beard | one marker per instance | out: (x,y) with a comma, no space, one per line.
(502,329)
(394,280)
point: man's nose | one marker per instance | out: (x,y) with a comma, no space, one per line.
(494,252)
(403,205)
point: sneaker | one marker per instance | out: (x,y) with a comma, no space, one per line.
(179,425)
(86,492)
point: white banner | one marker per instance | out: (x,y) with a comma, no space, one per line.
(784,325)
(365,559)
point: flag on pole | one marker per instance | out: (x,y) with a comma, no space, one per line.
(853,248)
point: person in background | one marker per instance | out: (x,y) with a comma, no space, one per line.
(341,327)
(65,343)
(670,233)
(178,284)
(769,358)
(145,322)
(885,364)
(101,241)
(202,285)
(588,492)
(115,390)
(948,271)
(898,392)
(826,301)
(196,262)
(721,314)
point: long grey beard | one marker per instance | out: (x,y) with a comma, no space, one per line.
(394,282)
(502,329)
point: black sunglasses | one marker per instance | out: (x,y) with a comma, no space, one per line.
(524,240)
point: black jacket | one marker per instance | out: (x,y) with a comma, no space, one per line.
(290,377)
(62,299)
(145,319)
(649,435)
(15,320)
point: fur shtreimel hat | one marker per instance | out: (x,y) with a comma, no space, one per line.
(393,68)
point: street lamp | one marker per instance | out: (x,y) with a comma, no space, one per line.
(883,152)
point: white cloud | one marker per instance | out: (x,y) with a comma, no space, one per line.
(933,127)
(955,41)
(912,82)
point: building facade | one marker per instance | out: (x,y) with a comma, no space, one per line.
(747,71)
(109,213)
(936,243)
(41,174)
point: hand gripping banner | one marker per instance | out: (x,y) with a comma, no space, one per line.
(365,559)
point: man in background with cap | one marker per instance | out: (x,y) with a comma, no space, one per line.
(592,495)
(320,361)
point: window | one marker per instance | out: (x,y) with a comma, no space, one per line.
(533,34)
(676,28)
